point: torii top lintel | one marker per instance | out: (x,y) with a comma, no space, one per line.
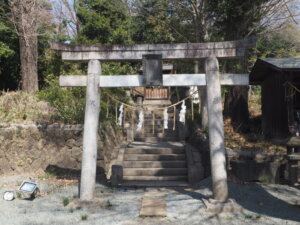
(227,49)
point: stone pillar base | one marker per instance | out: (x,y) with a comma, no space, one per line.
(215,206)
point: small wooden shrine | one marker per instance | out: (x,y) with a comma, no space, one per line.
(153,94)
(280,95)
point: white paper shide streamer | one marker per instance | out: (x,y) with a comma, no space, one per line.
(141,121)
(166,117)
(120,119)
(195,95)
(182,112)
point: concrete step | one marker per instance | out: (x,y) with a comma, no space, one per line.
(154,151)
(155,139)
(155,171)
(155,178)
(153,157)
(155,183)
(154,164)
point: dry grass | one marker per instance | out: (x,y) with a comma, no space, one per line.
(252,141)
(21,107)
(254,104)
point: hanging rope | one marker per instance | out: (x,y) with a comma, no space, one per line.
(153,122)
(116,100)
(107,107)
(156,109)
(141,116)
(132,120)
(116,112)
(174,118)
(294,89)
(124,117)
(192,105)
(177,103)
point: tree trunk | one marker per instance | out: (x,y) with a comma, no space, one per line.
(29,57)
(236,105)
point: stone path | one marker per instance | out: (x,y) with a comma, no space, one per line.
(263,204)
(153,204)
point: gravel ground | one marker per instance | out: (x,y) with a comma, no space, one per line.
(263,204)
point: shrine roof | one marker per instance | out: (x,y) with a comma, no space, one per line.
(268,67)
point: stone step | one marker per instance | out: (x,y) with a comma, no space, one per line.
(155,139)
(158,135)
(155,178)
(154,183)
(154,151)
(154,171)
(160,118)
(145,145)
(153,157)
(156,122)
(154,164)
(159,129)
(158,126)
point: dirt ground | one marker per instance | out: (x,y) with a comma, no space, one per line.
(262,203)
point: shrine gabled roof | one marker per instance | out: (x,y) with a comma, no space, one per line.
(266,67)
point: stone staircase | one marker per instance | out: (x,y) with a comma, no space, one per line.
(153,129)
(155,162)
(156,157)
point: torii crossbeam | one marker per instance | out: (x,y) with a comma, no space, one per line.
(212,79)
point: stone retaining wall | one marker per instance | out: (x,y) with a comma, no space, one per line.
(35,148)
(243,165)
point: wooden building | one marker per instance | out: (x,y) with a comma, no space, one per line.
(280,95)
(152,94)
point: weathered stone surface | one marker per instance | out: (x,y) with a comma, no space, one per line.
(194,164)
(117,175)
(70,143)
(27,148)
(230,206)
(256,171)
(216,130)
(153,207)
(168,51)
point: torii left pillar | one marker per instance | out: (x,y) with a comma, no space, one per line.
(90,132)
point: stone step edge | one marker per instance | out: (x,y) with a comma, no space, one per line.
(155,178)
(154,183)
(151,154)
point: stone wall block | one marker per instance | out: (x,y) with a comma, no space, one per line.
(70,142)
(32,148)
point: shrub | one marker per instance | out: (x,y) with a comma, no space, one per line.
(21,107)
(68,102)
(66,201)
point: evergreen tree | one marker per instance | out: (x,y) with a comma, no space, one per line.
(103,22)
(9,51)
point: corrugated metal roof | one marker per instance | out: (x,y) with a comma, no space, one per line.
(268,67)
(284,63)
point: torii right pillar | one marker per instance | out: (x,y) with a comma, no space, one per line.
(216,130)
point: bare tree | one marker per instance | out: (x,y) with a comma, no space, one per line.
(66,18)
(30,18)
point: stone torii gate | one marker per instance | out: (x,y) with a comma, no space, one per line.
(193,51)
